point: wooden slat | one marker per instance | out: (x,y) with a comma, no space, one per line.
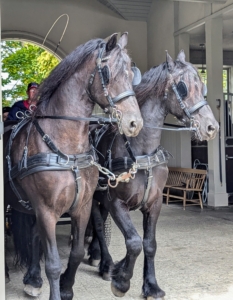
(186,180)
(130,9)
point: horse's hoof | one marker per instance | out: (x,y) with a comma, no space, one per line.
(94,262)
(116,292)
(31,291)
(106,276)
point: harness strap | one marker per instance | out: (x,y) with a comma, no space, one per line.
(77,179)
(47,140)
(52,162)
(128,148)
(15,129)
(92,120)
(122,96)
(45,161)
(144,162)
(98,69)
(25,204)
(149,175)
(99,134)
(197,106)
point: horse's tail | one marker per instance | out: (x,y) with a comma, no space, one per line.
(23,230)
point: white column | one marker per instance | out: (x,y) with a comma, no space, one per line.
(2,220)
(214,62)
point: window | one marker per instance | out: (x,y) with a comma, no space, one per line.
(225,76)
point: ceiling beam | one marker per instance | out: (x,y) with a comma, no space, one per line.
(202,21)
(203,1)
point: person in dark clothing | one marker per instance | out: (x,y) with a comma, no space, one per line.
(5,112)
(23,105)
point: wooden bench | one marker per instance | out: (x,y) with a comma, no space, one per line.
(185,184)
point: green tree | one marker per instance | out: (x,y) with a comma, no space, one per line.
(23,63)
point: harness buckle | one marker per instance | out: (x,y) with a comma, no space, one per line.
(98,61)
(20,115)
(66,163)
(106,58)
(45,137)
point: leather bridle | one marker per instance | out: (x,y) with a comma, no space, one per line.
(181,92)
(111,107)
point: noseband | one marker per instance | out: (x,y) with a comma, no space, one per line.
(181,93)
(111,108)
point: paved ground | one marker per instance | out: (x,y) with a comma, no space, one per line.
(194,259)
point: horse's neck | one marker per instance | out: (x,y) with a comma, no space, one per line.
(70,100)
(148,139)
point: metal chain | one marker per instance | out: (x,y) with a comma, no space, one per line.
(117,114)
(123,177)
(104,171)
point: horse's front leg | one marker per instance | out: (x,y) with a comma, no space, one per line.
(150,288)
(32,279)
(46,221)
(123,270)
(98,246)
(79,217)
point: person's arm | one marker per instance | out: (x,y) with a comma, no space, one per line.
(12,113)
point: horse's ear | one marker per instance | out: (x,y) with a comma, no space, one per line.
(111,43)
(123,40)
(170,62)
(181,56)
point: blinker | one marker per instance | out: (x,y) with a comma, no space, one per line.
(182,89)
(106,74)
(137,75)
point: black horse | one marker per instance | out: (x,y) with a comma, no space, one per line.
(173,87)
(51,166)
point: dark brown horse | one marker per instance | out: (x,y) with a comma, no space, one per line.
(50,163)
(173,87)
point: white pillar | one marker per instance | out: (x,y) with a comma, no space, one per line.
(214,62)
(2,227)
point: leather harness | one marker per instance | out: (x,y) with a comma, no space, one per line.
(56,161)
(144,162)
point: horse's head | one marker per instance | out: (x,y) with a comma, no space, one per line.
(110,85)
(185,94)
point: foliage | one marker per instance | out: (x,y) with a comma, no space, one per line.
(225,76)
(23,63)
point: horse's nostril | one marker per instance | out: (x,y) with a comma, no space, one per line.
(133,124)
(211,128)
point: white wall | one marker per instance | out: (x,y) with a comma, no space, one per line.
(88,19)
(160,32)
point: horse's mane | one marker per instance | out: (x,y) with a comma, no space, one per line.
(66,68)
(154,81)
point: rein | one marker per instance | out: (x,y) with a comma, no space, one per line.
(194,129)
(92,120)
